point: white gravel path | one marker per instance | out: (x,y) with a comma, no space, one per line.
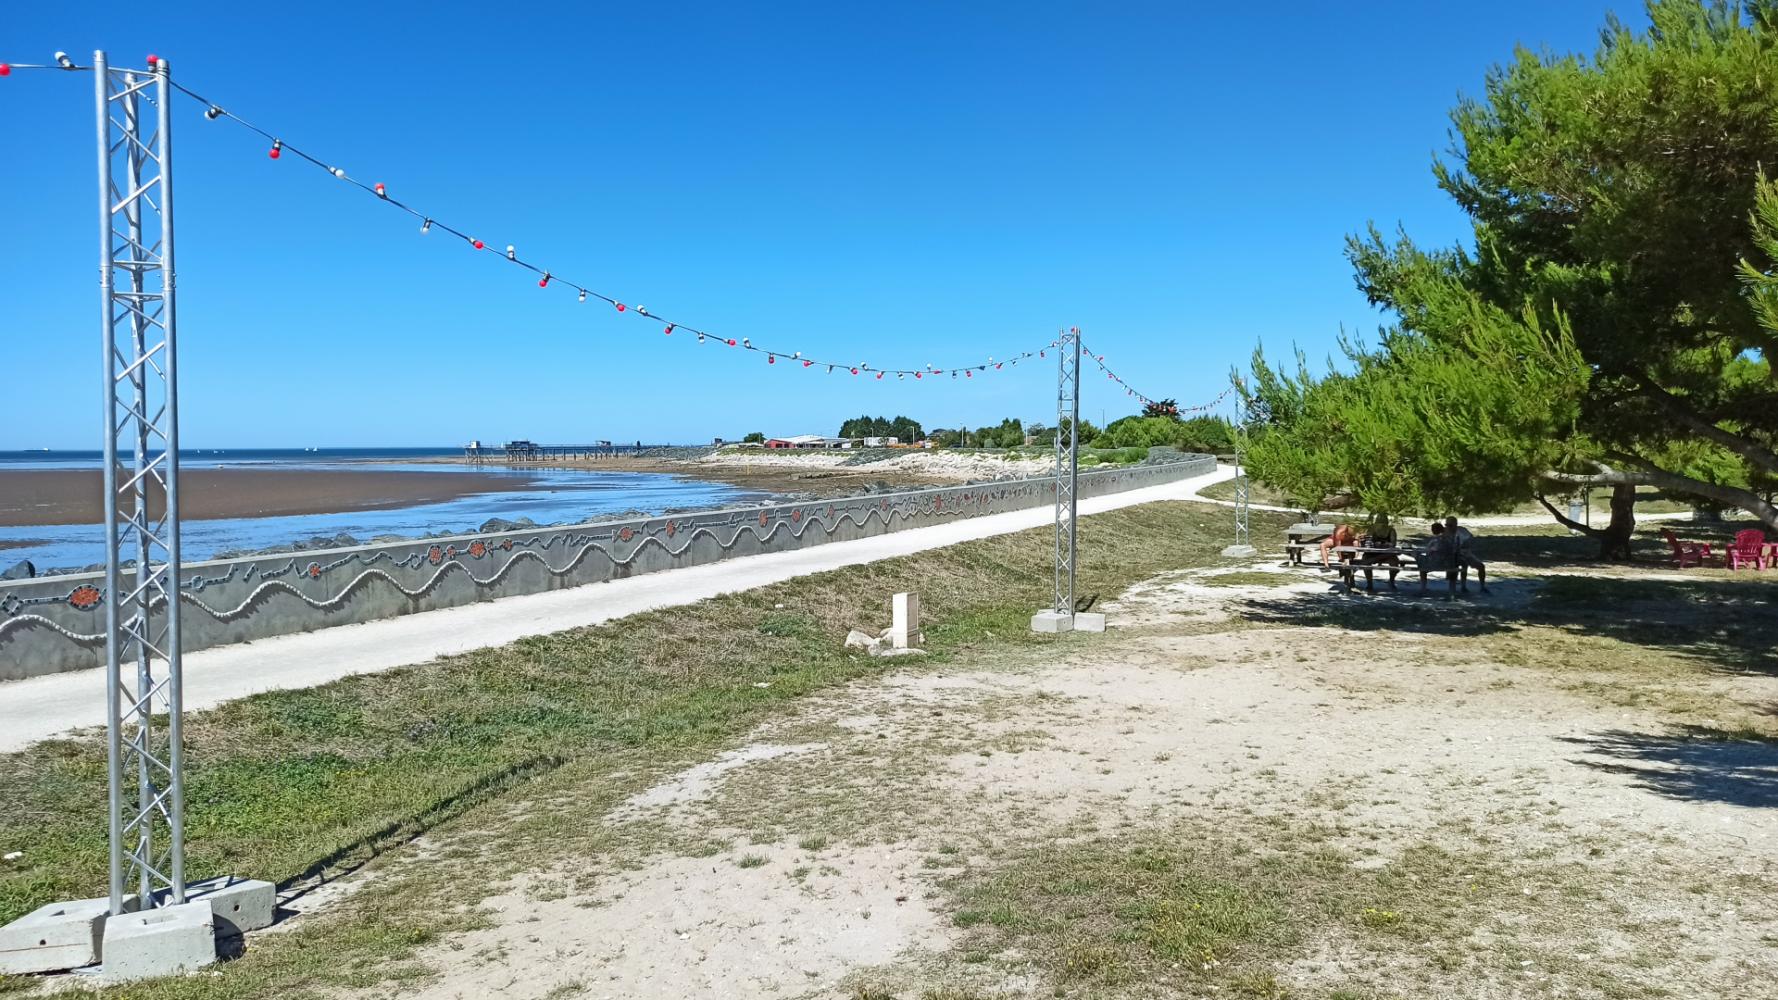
(40,707)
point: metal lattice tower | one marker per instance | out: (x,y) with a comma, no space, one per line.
(1241,536)
(1243,545)
(141,474)
(1067,466)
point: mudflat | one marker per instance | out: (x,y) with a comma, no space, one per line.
(30,497)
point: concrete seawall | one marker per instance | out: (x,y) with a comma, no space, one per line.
(56,623)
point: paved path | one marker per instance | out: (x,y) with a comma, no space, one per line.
(38,707)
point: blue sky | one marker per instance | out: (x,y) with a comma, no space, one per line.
(897,184)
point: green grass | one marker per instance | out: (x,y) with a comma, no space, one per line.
(1257,493)
(301,783)
(1221,909)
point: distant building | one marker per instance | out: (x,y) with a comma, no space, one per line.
(807,442)
(880,442)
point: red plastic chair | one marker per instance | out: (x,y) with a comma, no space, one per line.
(1687,553)
(1749,549)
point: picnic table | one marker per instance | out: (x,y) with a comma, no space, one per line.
(1304,535)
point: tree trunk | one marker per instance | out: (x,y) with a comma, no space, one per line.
(1614,541)
(1614,538)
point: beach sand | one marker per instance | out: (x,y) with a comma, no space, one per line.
(30,497)
(815,473)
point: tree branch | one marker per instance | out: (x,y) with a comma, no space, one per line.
(1566,522)
(1753,451)
(1649,476)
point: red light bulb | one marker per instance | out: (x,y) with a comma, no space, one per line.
(619,305)
(771,359)
(5,70)
(918,374)
(670,328)
(731,342)
(153,60)
(277,147)
(807,363)
(879,376)
(854,371)
(382,192)
(478,244)
(545,282)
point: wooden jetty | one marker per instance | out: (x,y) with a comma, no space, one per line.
(524,452)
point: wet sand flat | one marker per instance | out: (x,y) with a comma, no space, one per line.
(30,497)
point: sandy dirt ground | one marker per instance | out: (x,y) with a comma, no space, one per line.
(820,473)
(836,837)
(944,465)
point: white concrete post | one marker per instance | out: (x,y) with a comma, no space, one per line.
(904,630)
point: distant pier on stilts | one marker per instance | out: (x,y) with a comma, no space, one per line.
(530,452)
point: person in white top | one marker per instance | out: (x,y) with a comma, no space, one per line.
(1461,542)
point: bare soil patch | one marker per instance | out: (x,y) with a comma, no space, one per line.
(75,496)
(1424,799)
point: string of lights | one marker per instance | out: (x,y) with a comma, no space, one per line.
(1145,400)
(548,276)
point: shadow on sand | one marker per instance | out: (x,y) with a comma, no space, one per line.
(1727,624)
(1688,762)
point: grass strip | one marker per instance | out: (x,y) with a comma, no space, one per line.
(290,784)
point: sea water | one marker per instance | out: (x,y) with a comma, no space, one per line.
(554,495)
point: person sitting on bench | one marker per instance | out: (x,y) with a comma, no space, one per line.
(1436,556)
(1381,536)
(1463,554)
(1342,535)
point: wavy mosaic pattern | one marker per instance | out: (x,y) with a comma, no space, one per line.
(57,623)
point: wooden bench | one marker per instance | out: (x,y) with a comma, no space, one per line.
(1350,560)
(1348,569)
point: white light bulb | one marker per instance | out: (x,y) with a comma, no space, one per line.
(340,172)
(583,295)
(511,253)
(426,227)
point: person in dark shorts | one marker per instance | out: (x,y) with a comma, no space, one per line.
(1380,535)
(1436,557)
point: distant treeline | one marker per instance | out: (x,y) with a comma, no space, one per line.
(1158,425)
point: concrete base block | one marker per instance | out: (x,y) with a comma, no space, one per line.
(239,904)
(56,937)
(1089,621)
(1052,621)
(1239,552)
(164,941)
